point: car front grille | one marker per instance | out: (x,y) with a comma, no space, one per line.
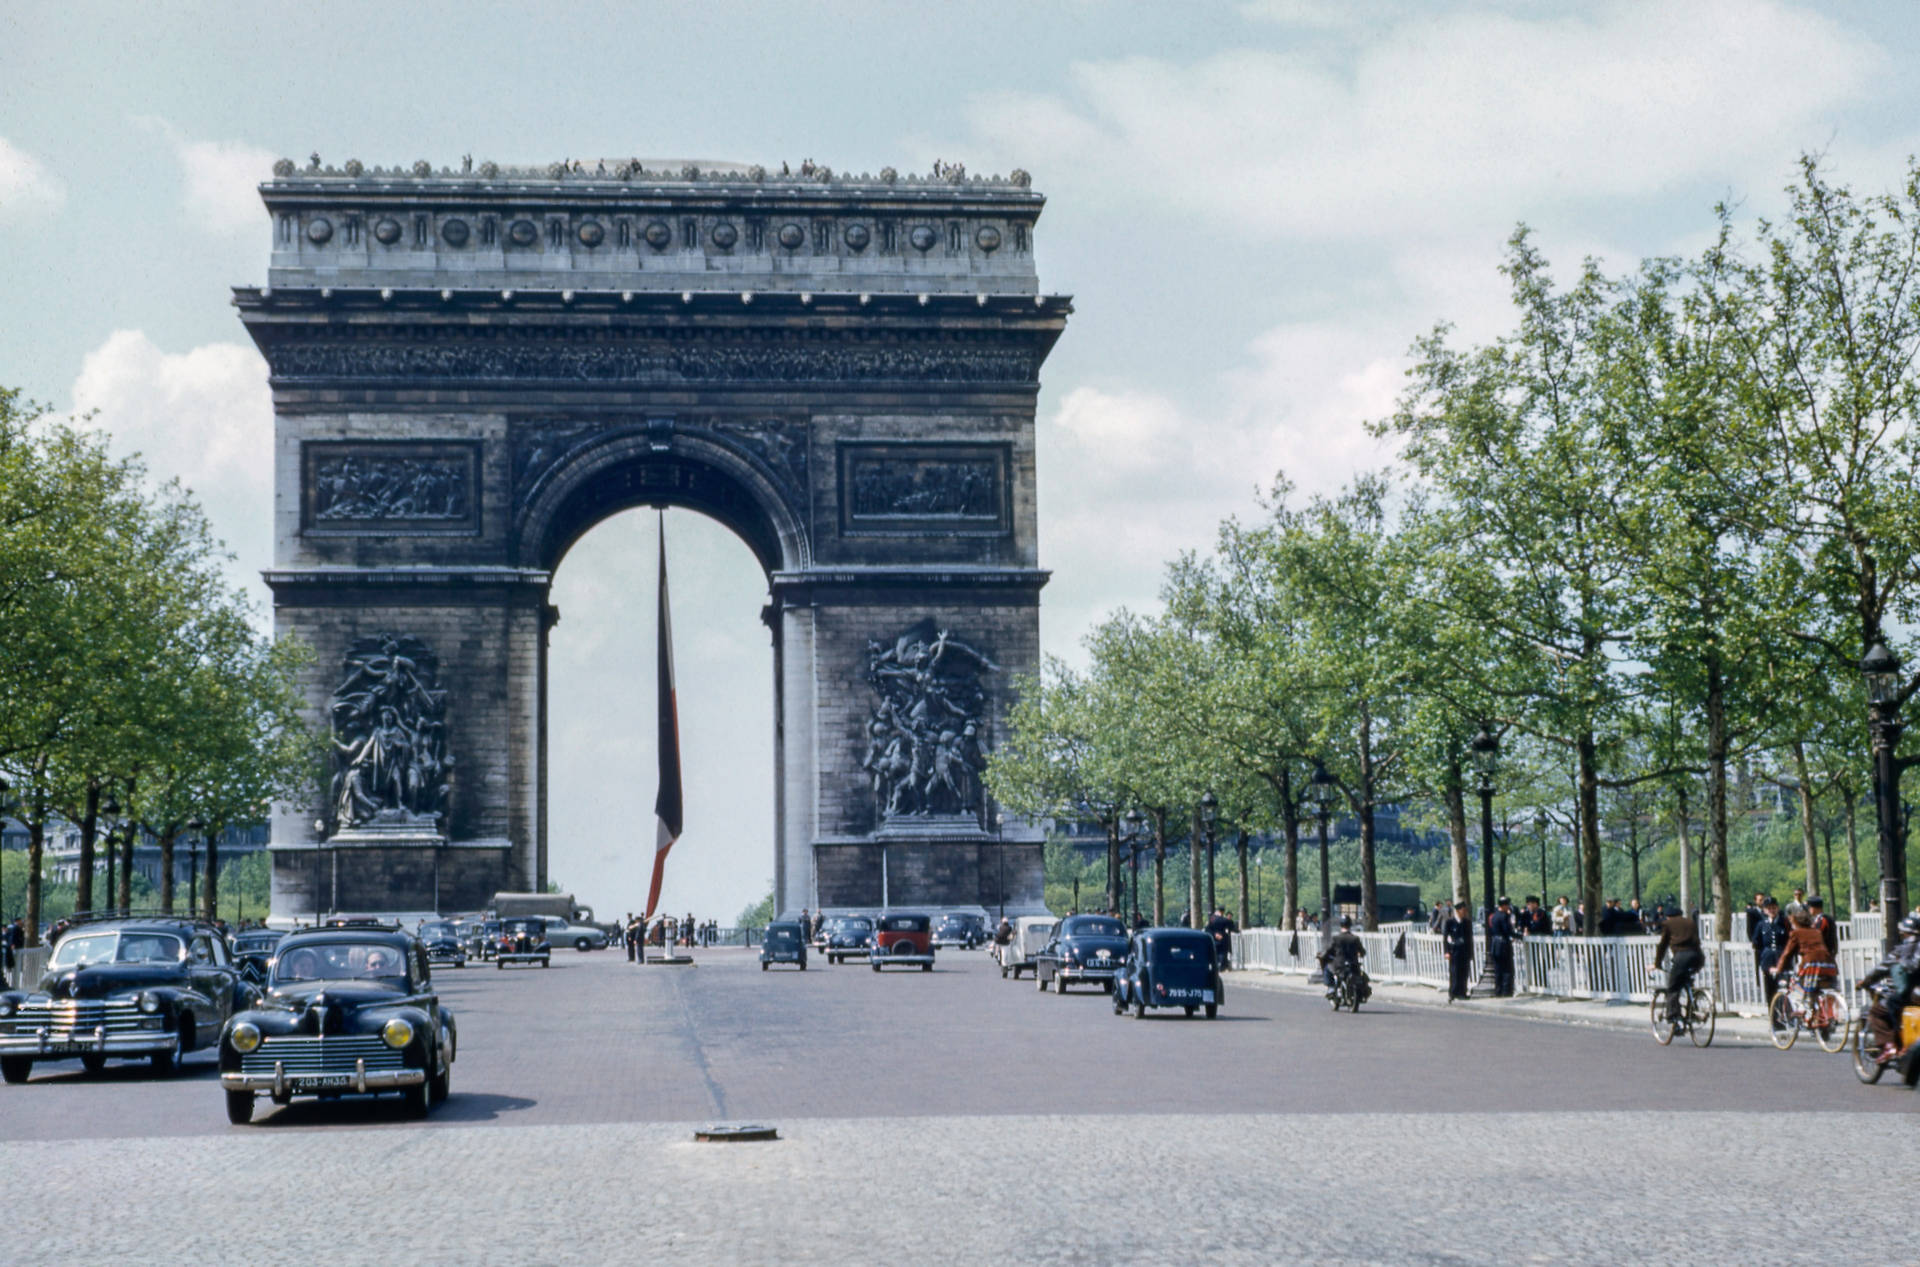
(304,1054)
(115,1016)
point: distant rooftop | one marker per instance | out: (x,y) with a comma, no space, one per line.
(647,171)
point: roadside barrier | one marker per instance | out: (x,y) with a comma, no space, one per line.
(1598,968)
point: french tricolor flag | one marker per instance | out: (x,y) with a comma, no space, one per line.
(666,805)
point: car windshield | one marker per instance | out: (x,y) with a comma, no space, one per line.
(436,930)
(340,961)
(903,924)
(116,947)
(1092,927)
(1197,953)
(788,935)
(516,926)
(856,926)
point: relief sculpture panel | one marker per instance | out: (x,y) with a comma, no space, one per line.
(923,488)
(379,487)
(927,735)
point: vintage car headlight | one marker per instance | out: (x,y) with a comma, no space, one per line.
(6,1007)
(397,1032)
(149,1003)
(245,1036)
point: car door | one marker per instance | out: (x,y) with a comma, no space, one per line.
(214,979)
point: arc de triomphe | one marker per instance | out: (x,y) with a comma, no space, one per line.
(472,368)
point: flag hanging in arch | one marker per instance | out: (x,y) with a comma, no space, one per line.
(666,803)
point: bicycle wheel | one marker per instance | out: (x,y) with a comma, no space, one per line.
(1865,1067)
(1835,1014)
(1783,1025)
(1700,1010)
(1657,1014)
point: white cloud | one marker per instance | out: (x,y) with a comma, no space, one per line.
(1437,122)
(204,416)
(222,179)
(27,185)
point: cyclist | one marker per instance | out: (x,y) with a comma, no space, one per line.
(1342,957)
(1681,936)
(1806,947)
(1901,971)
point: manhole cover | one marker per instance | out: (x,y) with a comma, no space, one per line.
(746,1133)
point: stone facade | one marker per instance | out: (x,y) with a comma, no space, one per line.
(472,369)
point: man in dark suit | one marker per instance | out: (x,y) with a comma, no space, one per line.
(1456,935)
(1769,938)
(1755,913)
(1500,948)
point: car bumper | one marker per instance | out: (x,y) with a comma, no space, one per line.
(534,956)
(1081,973)
(901,961)
(359,1080)
(50,1044)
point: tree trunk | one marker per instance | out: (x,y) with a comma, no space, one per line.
(1369,914)
(126,867)
(89,833)
(1113,863)
(1246,911)
(1587,753)
(1460,863)
(1686,850)
(1808,844)
(1292,878)
(166,868)
(1717,803)
(1196,879)
(36,853)
(212,886)
(1159,817)
(1853,853)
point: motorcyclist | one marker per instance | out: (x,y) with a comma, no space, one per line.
(1900,969)
(1342,957)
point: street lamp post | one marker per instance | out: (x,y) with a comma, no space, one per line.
(1000,857)
(1322,793)
(1209,815)
(195,826)
(1130,836)
(112,810)
(1884,698)
(1540,831)
(319,835)
(1486,753)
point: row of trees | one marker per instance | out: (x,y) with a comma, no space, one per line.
(136,695)
(1642,542)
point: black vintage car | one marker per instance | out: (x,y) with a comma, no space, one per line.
(962,929)
(347,1011)
(523,940)
(151,987)
(783,943)
(253,948)
(483,938)
(1084,948)
(1169,967)
(849,937)
(443,943)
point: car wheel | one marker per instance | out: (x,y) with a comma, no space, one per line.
(581,945)
(1189,1011)
(1003,972)
(416,1100)
(163,1063)
(1059,984)
(1039,982)
(15,1068)
(1212,1010)
(875,967)
(803,965)
(1119,1004)
(1140,1009)
(239,1107)
(93,1063)
(926,967)
(547,962)
(500,964)
(440,1086)
(763,965)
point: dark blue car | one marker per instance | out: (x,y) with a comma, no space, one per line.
(1169,967)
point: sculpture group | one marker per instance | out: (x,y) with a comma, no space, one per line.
(389,735)
(925,739)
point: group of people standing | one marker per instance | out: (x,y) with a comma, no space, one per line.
(1800,933)
(664,931)
(1503,926)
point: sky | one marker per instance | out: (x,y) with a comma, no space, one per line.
(1256,207)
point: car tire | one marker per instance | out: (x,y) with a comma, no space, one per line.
(1212,1010)
(1003,972)
(875,966)
(803,965)
(416,1100)
(1059,984)
(1140,1009)
(500,964)
(15,1068)
(164,1063)
(440,1085)
(239,1107)
(547,962)
(582,945)
(1039,982)
(1119,1004)
(926,967)
(93,1062)
(763,965)
(1189,1011)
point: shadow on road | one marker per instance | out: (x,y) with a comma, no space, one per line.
(70,1072)
(387,1110)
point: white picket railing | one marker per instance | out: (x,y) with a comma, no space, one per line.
(1601,968)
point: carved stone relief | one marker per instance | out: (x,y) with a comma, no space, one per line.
(923,488)
(927,735)
(390,757)
(353,487)
(779,444)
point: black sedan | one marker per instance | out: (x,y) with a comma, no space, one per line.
(960,929)
(150,988)
(850,937)
(1169,967)
(523,940)
(252,950)
(783,943)
(1085,949)
(443,943)
(347,1012)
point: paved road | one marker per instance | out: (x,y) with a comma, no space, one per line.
(929,1111)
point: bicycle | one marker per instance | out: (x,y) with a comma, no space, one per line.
(1811,1003)
(1696,1012)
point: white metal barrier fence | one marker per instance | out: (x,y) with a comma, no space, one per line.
(1604,968)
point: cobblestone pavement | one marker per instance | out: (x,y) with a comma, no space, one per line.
(953,1112)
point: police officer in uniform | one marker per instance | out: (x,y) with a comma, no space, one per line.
(1457,936)
(1500,948)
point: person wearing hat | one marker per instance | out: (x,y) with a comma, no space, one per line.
(1769,938)
(1456,935)
(1342,958)
(1500,947)
(1824,925)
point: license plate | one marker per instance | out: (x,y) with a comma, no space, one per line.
(324,1082)
(1206,996)
(68,1048)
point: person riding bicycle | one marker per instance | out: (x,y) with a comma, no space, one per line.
(1342,958)
(1681,936)
(1900,969)
(1808,949)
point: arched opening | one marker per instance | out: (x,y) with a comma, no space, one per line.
(601,742)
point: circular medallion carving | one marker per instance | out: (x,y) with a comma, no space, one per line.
(857,236)
(923,237)
(791,236)
(724,235)
(319,229)
(591,233)
(988,237)
(522,233)
(387,230)
(658,235)
(455,233)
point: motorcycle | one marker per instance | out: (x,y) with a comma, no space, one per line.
(1349,989)
(1867,1065)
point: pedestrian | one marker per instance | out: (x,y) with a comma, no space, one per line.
(1437,916)
(1457,938)
(1562,918)
(1500,947)
(1769,938)
(1533,920)
(1796,907)
(631,935)
(1756,911)
(1823,924)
